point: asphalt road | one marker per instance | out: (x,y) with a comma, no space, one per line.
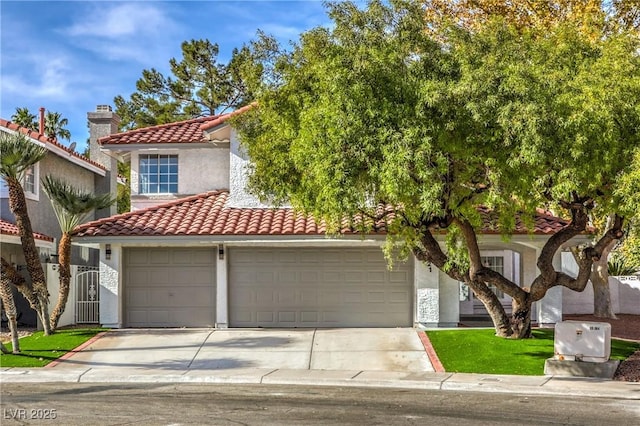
(170,404)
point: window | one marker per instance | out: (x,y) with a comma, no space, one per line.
(495,263)
(158,174)
(29,182)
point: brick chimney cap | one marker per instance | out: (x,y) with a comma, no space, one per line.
(103,108)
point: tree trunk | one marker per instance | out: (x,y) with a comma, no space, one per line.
(495,309)
(64,257)
(18,206)
(9,305)
(521,318)
(10,310)
(602,307)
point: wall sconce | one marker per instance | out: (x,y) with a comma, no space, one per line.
(221,252)
(107,251)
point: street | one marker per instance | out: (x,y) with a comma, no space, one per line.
(179,404)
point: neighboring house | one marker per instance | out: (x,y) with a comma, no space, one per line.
(63,163)
(198,250)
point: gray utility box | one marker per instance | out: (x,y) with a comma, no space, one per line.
(582,341)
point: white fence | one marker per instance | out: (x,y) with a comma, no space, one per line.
(625,297)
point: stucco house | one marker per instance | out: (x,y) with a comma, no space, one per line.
(197,250)
(60,162)
(63,162)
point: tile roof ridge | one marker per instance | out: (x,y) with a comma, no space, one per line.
(184,200)
(7,228)
(160,126)
(34,134)
(224,117)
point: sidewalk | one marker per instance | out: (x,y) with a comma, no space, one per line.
(394,358)
(533,385)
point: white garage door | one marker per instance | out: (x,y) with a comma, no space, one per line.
(169,287)
(317,287)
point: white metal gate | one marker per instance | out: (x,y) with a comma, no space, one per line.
(88,296)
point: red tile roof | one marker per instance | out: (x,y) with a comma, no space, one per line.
(207,214)
(46,140)
(181,132)
(9,228)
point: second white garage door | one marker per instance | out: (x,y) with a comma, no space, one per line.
(317,287)
(169,287)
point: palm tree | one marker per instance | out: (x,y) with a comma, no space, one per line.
(72,206)
(24,118)
(18,154)
(54,126)
(9,276)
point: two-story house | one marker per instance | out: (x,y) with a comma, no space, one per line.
(93,175)
(198,250)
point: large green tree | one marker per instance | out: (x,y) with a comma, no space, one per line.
(72,206)
(375,110)
(17,155)
(199,85)
(594,19)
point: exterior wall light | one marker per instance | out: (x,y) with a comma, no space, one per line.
(107,251)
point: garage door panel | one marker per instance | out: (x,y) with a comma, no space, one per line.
(158,257)
(169,287)
(317,288)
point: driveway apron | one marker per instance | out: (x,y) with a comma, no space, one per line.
(380,349)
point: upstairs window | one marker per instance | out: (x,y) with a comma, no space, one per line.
(30,180)
(158,174)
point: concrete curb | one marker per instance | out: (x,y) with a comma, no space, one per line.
(532,385)
(431,352)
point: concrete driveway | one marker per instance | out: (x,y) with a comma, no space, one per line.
(193,350)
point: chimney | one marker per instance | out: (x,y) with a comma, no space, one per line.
(104,122)
(41,122)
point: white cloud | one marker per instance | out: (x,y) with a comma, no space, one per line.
(131,32)
(122,20)
(47,78)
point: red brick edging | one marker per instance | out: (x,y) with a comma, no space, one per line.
(72,352)
(431,353)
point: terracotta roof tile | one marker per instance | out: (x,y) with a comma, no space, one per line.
(46,140)
(8,228)
(207,214)
(180,132)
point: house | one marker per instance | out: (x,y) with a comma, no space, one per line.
(197,250)
(62,162)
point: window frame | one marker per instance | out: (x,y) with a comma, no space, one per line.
(152,175)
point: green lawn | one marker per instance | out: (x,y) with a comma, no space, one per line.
(39,350)
(480,351)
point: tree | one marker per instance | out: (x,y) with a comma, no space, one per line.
(54,123)
(54,126)
(200,86)
(18,154)
(24,118)
(72,206)
(124,191)
(376,111)
(592,18)
(9,307)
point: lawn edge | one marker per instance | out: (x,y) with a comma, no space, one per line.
(431,352)
(73,351)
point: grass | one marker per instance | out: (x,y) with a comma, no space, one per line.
(39,350)
(480,351)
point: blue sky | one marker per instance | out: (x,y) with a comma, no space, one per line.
(69,56)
